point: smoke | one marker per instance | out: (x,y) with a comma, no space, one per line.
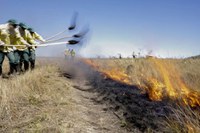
(51,51)
(107,49)
(75,69)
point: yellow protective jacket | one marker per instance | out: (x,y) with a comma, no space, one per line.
(14,37)
(73,53)
(25,34)
(67,52)
(36,36)
(4,37)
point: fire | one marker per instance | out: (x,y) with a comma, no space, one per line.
(117,75)
(155,89)
(112,73)
(174,86)
(170,85)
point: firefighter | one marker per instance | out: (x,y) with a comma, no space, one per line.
(22,52)
(35,36)
(72,52)
(67,53)
(7,32)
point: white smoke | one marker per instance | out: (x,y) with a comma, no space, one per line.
(107,49)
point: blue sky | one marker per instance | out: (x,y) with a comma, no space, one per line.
(167,27)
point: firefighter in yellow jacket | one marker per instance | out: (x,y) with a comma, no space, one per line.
(37,37)
(22,52)
(9,35)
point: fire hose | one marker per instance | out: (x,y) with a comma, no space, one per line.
(49,39)
(79,35)
(71,27)
(71,42)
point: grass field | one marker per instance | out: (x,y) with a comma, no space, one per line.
(34,101)
(41,100)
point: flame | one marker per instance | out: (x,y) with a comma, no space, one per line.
(117,75)
(155,89)
(172,85)
(111,72)
(175,87)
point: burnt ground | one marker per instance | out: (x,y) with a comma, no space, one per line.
(132,110)
(131,106)
(89,116)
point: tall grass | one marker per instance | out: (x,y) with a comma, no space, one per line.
(37,100)
(183,120)
(34,101)
(139,68)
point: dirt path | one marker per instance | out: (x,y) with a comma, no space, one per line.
(88,116)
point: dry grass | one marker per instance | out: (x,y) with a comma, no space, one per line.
(34,102)
(37,102)
(183,120)
(137,69)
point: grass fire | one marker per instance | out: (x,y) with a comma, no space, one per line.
(161,80)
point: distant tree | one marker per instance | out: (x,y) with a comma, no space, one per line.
(133,55)
(120,56)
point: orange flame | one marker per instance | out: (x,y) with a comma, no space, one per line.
(173,86)
(113,73)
